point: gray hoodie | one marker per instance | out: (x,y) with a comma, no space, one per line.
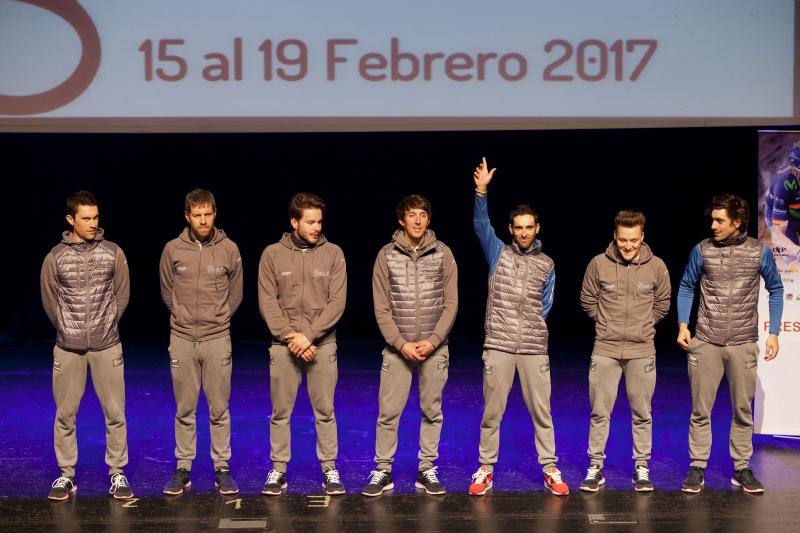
(625,299)
(302,290)
(201,284)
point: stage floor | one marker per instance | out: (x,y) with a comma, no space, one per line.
(519,502)
(661,511)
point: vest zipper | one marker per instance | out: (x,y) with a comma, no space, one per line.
(416,299)
(88,301)
(730,298)
(520,310)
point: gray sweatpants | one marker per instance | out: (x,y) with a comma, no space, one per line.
(498,376)
(192,365)
(285,376)
(707,363)
(69,382)
(640,382)
(396,373)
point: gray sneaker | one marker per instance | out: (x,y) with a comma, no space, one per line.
(379,482)
(275,484)
(694,480)
(120,488)
(332,483)
(747,480)
(61,488)
(594,478)
(641,479)
(177,483)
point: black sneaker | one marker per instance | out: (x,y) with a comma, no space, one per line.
(693,482)
(379,481)
(224,481)
(594,478)
(429,482)
(332,484)
(62,488)
(179,481)
(747,480)
(275,484)
(120,488)
(641,479)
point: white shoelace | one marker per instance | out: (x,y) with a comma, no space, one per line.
(480,476)
(61,482)
(332,476)
(430,475)
(273,477)
(643,473)
(376,476)
(117,481)
(593,472)
(555,475)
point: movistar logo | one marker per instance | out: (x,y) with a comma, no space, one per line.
(790,185)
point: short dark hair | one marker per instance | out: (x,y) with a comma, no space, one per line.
(79,198)
(199,197)
(522,210)
(304,200)
(629,219)
(736,206)
(413,201)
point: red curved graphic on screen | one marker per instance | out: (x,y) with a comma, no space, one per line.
(84,74)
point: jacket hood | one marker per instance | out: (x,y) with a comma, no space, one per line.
(535,248)
(645,254)
(68,237)
(399,239)
(286,240)
(215,239)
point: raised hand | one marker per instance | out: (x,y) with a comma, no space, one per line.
(482,176)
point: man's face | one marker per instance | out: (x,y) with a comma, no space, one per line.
(201,220)
(628,241)
(84,222)
(524,229)
(309,227)
(415,223)
(722,225)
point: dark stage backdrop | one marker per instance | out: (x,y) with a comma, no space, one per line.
(576,179)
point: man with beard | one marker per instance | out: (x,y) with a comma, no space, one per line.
(201,285)
(521,285)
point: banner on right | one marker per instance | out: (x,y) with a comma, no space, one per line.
(776,410)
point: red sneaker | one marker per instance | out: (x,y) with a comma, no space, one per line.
(554,483)
(481,482)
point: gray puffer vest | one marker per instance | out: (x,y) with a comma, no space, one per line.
(416,285)
(514,318)
(87,317)
(729,292)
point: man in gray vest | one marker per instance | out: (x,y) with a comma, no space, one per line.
(727,267)
(626,291)
(302,291)
(415,295)
(521,284)
(85,290)
(201,285)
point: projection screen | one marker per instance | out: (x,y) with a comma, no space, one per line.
(314,65)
